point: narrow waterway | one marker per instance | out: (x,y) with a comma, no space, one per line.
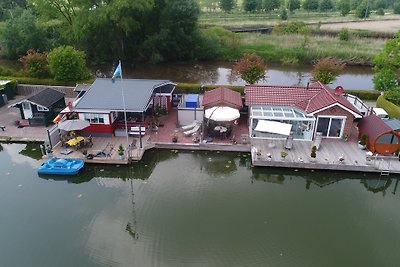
(193,209)
(221,73)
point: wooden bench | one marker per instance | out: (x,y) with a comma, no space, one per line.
(137,130)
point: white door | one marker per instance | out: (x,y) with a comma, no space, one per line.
(27,110)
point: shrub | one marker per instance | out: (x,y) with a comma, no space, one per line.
(380,12)
(10,89)
(68,64)
(384,79)
(327,69)
(291,28)
(392,109)
(362,10)
(393,96)
(35,64)
(363,139)
(284,15)
(313,153)
(344,34)
(250,67)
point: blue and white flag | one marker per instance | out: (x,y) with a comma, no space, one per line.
(117,72)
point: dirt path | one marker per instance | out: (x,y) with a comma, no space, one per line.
(381,26)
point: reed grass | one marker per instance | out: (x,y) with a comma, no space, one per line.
(307,48)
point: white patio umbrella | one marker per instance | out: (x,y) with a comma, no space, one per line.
(222,114)
(73,125)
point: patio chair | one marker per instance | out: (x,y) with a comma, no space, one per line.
(289,142)
(190,126)
(192,131)
(317,140)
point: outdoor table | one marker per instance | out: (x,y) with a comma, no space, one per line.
(75,141)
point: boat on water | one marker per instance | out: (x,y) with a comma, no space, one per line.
(64,166)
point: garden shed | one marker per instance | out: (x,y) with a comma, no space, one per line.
(381,138)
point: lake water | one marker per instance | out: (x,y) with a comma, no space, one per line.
(220,73)
(194,209)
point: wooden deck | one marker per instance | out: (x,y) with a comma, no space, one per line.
(109,145)
(328,156)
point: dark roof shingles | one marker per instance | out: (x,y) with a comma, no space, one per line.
(46,97)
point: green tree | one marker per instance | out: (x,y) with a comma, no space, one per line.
(363,10)
(396,8)
(250,67)
(293,5)
(326,5)
(310,5)
(68,64)
(327,69)
(387,65)
(270,5)
(20,34)
(250,5)
(227,5)
(35,64)
(344,7)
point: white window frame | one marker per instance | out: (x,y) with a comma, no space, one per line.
(40,108)
(329,125)
(94,118)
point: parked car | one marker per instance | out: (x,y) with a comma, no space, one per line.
(381,113)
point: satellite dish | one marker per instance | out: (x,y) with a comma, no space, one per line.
(339,90)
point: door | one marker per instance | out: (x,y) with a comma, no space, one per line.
(27,110)
(330,126)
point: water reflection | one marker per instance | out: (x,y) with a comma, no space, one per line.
(221,73)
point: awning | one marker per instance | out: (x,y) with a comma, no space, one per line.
(222,114)
(273,127)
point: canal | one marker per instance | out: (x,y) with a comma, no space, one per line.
(180,208)
(221,73)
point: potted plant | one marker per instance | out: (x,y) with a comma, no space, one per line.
(174,138)
(313,153)
(283,155)
(84,152)
(49,151)
(363,141)
(121,151)
(345,137)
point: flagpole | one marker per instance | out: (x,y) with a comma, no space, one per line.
(126,122)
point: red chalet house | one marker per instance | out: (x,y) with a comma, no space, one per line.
(103,106)
(299,111)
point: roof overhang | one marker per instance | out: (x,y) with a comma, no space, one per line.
(356,115)
(26,101)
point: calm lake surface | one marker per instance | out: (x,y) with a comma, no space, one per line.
(220,73)
(194,209)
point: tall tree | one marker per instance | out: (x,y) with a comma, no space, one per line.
(326,5)
(226,5)
(344,7)
(270,5)
(363,10)
(20,34)
(250,5)
(387,65)
(293,5)
(310,5)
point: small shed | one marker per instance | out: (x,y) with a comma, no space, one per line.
(42,107)
(192,101)
(381,138)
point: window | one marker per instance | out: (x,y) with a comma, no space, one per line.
(94,118)
(40,108)
(330,127)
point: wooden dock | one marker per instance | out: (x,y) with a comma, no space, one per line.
(332,155)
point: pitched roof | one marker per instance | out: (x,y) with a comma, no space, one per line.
(222,96)
(46,97)
(105,95)
(373,127)
(311,99)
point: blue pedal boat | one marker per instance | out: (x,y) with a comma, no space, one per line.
(64,166)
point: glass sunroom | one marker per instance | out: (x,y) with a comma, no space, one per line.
(302,125)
